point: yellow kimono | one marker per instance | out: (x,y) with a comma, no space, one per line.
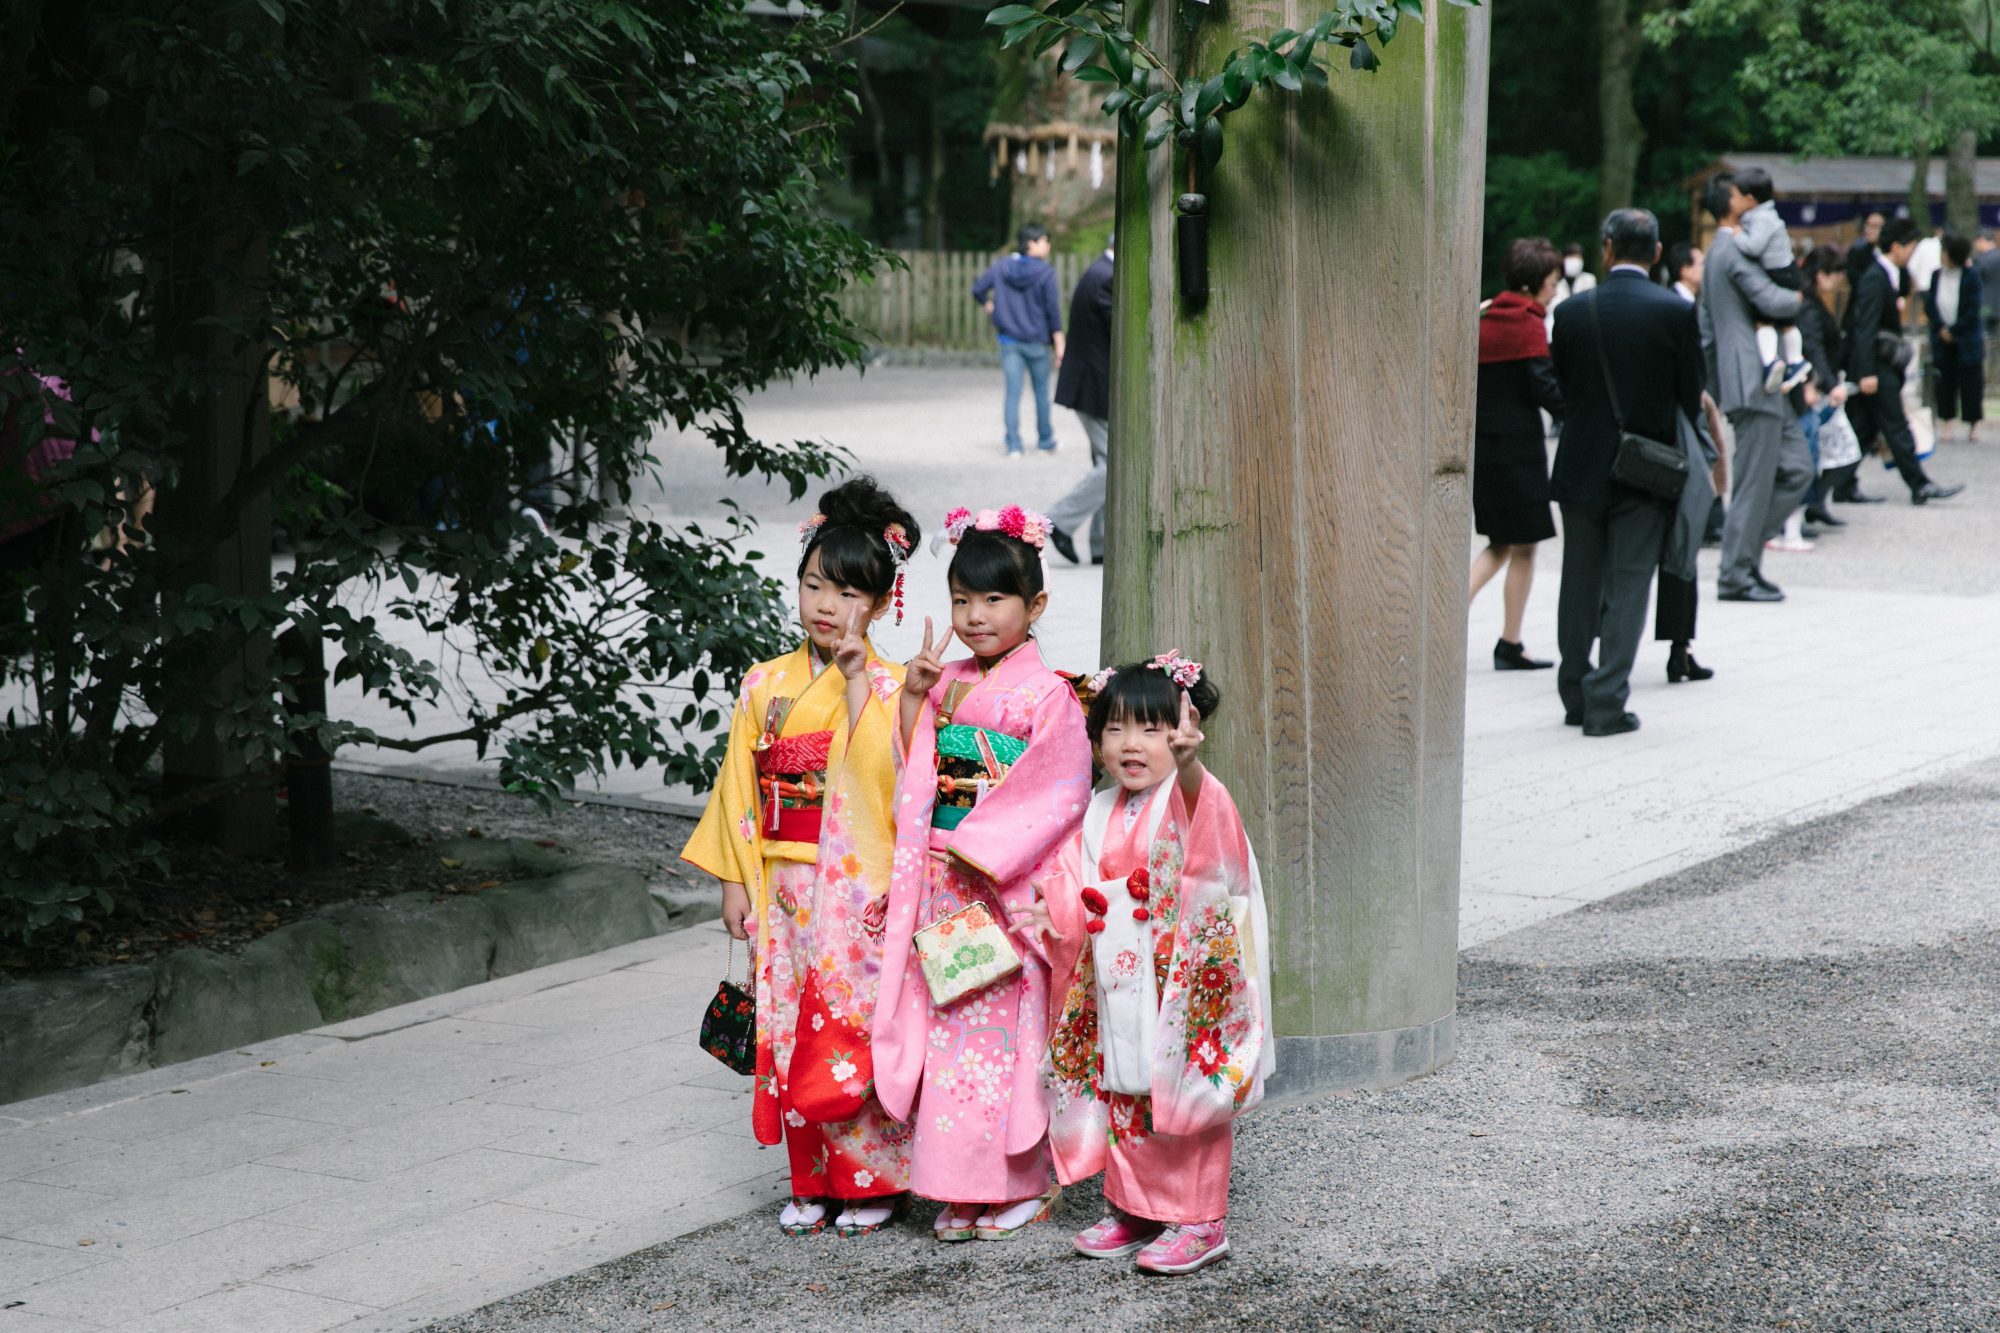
(802,815)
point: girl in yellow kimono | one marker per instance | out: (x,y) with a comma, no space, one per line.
(800,831)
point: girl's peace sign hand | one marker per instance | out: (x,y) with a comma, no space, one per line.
(1186,737)
(927,666)
(851,653)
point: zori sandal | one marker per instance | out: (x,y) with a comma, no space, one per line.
(956,1221)
(1006,1223)
(864,1217)
(803,1217)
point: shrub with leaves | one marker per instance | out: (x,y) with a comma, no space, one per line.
(469,252)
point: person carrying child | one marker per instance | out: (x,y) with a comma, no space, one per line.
(995,782)
(800,830)
(1762,236)
(1161,947)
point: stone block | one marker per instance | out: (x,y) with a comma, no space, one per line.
(689,907)
(405,948)
(210,1002)
(65,1029)
(566,916)
(505,857)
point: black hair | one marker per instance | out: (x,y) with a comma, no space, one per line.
(852,550)
(1530,260)
(1634,234)
(1898,231)
(1957,249)
(1679,256)
(1755,182)
(995,562)
(1145,694)
(1029,233)
(1715,195)
(1830,259)
(1572,249)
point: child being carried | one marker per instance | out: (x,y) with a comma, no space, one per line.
(1764,239)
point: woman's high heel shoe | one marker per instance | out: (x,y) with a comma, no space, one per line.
(1682,666)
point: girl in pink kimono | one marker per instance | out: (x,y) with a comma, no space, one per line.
(1157,920)
(996,779)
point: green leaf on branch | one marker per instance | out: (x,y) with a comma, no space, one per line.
(1080,53)
(1157,135)
(1287,78)
(1364,58)
(1118,56)
(1020,32)
(1007,15)
(1096,74)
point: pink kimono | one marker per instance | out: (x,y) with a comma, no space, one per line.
(967,1076)
(1166,1154)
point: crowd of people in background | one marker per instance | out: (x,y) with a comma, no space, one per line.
(1775,365)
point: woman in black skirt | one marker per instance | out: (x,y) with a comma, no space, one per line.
(1510,460)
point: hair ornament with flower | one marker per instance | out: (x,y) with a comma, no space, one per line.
(1101,680)
(1179,670)
(895,537)
(1023,525)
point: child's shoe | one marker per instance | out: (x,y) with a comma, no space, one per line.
(1118,1235)
(1796,374)
(803,1217)
(1183,1249)
(1006,1223)
(956,1221)
(1774,377)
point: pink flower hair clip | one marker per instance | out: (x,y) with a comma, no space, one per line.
(810,529)
(1179,670)
(1023,525)
(1102,679)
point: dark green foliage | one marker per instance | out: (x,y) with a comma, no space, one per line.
(504,240)
(1152,103)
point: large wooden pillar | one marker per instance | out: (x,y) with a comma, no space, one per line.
(1289,494)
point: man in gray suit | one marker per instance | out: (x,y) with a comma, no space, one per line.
(1772,467)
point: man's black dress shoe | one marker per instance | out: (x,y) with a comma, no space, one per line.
(1626,722)
(1509,656)
(1682,666)
(1757,577)
(1060,540)
(1572,719)
(1930,491)
(1756,592)
(1824,517)
(1855,497)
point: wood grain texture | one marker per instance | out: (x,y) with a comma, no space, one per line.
(1289,492)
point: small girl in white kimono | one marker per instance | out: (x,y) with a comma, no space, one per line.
(1159,949)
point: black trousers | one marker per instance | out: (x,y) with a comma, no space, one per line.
(1611,549)
(1881,414)
(1961,389)
(1673,614)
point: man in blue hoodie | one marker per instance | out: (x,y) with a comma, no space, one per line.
(1021,295)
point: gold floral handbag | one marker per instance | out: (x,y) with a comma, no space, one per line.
(729,1028)
(964,952)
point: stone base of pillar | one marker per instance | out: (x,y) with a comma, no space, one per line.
(1311,1066)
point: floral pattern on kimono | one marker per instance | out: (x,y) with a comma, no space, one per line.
(819,909)
(1166,1153)
(967,1074)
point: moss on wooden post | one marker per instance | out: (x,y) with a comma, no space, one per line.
(1288,502)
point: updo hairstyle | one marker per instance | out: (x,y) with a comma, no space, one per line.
(852,550)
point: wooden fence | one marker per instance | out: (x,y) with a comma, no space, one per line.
(929,303)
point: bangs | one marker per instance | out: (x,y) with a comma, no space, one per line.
(1135,694)
(853,559)
(989,562)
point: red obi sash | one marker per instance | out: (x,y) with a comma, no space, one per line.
(791,776)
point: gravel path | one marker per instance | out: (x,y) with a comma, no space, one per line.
(1758,1094)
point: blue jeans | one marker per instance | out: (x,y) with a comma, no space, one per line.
(1033,358)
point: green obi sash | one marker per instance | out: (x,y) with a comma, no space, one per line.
(961,762)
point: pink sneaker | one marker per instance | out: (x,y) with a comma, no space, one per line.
(1183,1249)
(1116,1236)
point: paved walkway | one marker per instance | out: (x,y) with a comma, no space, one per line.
(422,1161)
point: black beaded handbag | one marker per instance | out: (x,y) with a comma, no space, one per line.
(729,1028)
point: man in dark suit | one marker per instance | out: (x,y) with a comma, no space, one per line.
(1612,534)
(1878,408)
(1084,387)
(1862,252)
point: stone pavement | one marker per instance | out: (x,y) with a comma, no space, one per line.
(418,1162)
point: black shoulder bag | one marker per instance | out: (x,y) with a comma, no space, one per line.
(1643,463)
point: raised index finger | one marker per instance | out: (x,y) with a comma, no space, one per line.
(927,634)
